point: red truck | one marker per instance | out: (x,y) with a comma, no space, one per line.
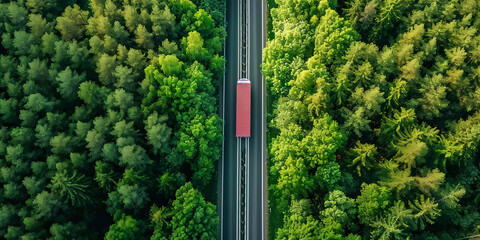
(243,108)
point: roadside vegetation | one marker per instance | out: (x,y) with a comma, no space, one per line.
(108,118)
(374,119)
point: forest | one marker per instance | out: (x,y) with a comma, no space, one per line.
(374,119)
(109,125)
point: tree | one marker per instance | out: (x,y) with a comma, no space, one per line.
(38,71)
(143,37)
(69,83)
(292,39)
(74,188)
(61,55)
(200,143)
(400,122)
(124,78)
(170,182)
(363,157)
(357,121)
(386,20)
(17,14)
(104,175)
(47,204)
(62,144)
(371,100)
(133,197)
(193,217)
(78,57)
(9,109)
(387,228)
(132,18)
(372,202)
(451,195)
(430,182)
(48,43)
(38,26)
(193,45)
(134,156)
(7,213)
(39,103)
(159,217)
(136,60)
(68,230)
(170,65)
(204,23)
(121,99)
(433,98)
(124,228)
(43,135)
(333,37)
(163,21)
(95,141)
(299,227)
(92,94)
(426,211)
(340,209)
(305,162)
(34,185)
(72,24)
(105,67)
(158,133)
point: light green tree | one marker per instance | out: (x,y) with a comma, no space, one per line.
(363,155)
(193,217)
(72,23)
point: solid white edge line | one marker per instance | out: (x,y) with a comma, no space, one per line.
(264,175)
(247,142)
(238,191)
(247,177)
(237,200)
(222,201)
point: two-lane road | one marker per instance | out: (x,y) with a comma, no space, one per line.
(256,201)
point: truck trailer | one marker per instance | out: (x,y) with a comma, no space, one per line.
(243,108)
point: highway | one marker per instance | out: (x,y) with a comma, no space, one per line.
(256,165)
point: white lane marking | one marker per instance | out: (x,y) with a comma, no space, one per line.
(237,199)
(247,168)
(238,190)
(247,177)
(264,175)
(223,126)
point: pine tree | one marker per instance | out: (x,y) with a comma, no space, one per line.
(387,228)
(451,195)
(363,156)
(74,188)
(426,211)
(72,24)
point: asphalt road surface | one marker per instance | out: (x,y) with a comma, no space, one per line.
(229,191)
(257,160)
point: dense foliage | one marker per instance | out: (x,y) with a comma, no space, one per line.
(108,118)
(375,121)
